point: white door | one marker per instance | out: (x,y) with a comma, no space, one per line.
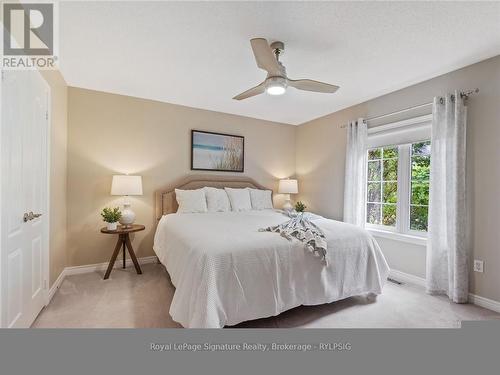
(24,242)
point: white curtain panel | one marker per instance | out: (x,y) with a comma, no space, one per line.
(447,245)
(355,173)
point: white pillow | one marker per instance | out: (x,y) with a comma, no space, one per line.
(261,199)
(239,198)
(217,200)
(191,201)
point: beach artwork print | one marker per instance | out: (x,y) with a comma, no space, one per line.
(217,152)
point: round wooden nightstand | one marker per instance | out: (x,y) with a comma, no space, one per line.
(123,241)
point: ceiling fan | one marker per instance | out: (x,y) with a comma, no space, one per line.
(276,82)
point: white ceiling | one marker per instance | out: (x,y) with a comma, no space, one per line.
(199,55)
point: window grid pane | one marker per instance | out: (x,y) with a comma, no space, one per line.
(382,170)
(374,170)
(373,213)
(374,192)
(419,187)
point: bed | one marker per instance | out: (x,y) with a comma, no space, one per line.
(226,271)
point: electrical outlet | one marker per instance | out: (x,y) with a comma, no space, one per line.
(478,266)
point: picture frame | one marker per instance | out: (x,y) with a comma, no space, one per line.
(220,152)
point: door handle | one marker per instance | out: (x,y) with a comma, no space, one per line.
(28,217)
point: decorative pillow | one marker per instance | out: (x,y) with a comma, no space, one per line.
(261,199)
(191,201)
(217,200)
(239,198)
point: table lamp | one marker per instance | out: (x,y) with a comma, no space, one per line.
(126,185)
(288,187)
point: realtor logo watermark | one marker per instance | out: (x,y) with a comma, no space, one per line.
(29,37)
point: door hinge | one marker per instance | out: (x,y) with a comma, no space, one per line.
(45,284)
(46,115)
(2,75)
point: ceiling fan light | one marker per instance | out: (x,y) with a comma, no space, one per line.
(276,86)
(275,90)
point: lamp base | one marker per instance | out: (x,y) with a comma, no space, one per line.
(288,205)
(128,216)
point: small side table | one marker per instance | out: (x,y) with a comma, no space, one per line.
(123,241)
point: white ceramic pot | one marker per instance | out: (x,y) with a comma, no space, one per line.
(112,226)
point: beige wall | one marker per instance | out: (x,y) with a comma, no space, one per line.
(112,134)
(320,164)
(58,152)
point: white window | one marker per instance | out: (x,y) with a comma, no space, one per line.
(382,186)
(420,158)
(397,185)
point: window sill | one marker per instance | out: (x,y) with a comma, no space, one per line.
(408,238)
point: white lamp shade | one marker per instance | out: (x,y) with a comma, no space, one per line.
(288,186)
(126,185)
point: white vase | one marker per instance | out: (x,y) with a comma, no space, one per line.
(112,226)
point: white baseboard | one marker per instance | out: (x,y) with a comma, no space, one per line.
(57,284)
(76,270)
(473,298)
(406,277)
(484,302)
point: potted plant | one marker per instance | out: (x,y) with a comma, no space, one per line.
(111,217)
(300,207)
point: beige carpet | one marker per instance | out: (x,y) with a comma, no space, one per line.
(128,300)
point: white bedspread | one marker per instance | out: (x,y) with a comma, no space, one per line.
(225,271)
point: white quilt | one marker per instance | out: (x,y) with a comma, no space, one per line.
(225,271)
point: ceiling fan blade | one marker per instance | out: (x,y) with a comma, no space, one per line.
(251,92)
(311,85)
(264,56)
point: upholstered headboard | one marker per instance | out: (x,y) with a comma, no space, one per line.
(165,198)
